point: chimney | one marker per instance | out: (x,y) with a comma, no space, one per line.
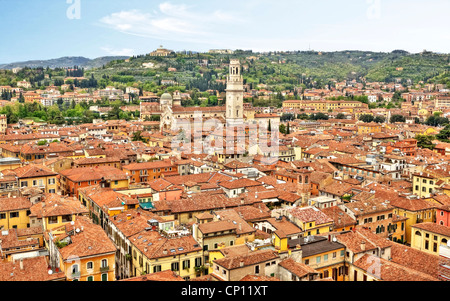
(363,246)
(241,264)
(21,264)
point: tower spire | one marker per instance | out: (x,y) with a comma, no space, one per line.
(235,94)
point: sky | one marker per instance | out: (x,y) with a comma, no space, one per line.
(45,29)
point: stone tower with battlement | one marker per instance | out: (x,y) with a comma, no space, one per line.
(235,95)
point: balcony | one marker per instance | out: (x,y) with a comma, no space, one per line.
(104,269)
(76,274)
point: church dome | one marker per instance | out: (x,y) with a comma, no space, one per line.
(166,96)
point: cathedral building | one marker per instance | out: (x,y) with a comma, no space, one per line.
(173,114)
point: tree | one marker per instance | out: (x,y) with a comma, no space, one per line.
(302,116)
(319,116)
(137,136)
(379,119)
(436,120)
(366,118)
(425,141)
(282,129)
(397,118)
(340,116)
(114,114)
(21,98)
(287,117)
(288,129)
(444,134)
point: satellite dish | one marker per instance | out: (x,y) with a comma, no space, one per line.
(77,230)
(334,239)
(50,272)
(72,223)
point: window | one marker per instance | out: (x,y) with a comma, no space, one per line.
(2,215)
(186,264)
(90,265)
(175,266)
(198,261)
(334,254)
(52,219)
(104,277)
(156,268)
(13,214)
(104,263)
(90,278)
(256,269)
(306,261)
(318,259)
(66,218)
(75,268)
(325,257)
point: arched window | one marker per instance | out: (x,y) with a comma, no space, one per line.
(104,263)
(444,241)
(90,265)
(75,268)
(418,233)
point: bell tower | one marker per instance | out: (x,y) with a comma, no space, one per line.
(235,95)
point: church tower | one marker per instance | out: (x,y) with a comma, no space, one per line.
(235,95)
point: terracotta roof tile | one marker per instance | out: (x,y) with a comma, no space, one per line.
(390,271)
(34,269)
(297,268)
(252,258)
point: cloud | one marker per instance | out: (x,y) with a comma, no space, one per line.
(177,22)
(119,52)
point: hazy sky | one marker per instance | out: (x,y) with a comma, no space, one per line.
(44,29)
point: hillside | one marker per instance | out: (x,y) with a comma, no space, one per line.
(64,62)
(281,70)
(277,70)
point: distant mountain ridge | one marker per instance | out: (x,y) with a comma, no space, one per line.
(67,61)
